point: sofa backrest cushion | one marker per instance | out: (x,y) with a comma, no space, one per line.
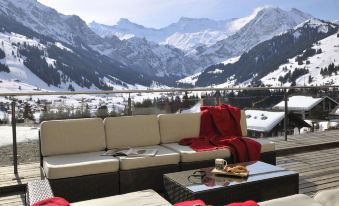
(174,127)
(243,123)
(72,136)
(132,131)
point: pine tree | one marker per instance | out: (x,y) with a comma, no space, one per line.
(102,111)
(86,112)
(28,113)
(2,53)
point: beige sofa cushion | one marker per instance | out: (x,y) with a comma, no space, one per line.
(293,200)
(164,156)
(187,154)
(266,145)
(72,136)
(328,197)
(74,165)
(140,198)
(174,127)
(132,131)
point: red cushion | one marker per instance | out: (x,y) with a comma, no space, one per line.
(191,203)
(247,203)
(54,201)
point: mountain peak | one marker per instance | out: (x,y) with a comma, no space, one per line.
(314,22)
(124,21)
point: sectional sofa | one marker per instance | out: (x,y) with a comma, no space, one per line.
(72,162)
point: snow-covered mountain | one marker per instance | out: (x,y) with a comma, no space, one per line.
(268,22)
(205,41)
(42,62)
(160,61)
(141,55)
(269,55)
(185,34)
(47,21)
(128,53)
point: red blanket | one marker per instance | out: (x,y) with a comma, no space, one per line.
(54,201)
(219,128)
(247,203)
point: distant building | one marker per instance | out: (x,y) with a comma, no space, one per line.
(334,114)
(262,123)
(308,107)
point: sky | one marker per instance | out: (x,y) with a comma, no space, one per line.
(160,13)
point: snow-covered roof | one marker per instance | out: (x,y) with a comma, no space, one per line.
(263,121)
(2,115)
(299,103)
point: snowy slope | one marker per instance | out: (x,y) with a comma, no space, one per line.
(18,71)
(330,54)
(22,79)
(263,25)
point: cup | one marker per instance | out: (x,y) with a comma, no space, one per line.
(220,164)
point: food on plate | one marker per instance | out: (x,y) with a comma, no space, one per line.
(235,169)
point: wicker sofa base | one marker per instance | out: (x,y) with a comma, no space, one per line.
(269,157)
(87,187)
(145,178)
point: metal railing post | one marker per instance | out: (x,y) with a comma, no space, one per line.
(15,151)
(217,97)
(286,113)
(129,111)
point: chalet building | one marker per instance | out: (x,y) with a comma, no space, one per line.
(308,107)
(262,123)
(334,114)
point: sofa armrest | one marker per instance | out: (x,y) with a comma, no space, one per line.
(38,190)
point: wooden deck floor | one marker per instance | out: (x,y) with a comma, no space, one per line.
(318,168)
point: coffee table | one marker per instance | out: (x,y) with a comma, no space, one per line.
(264,182)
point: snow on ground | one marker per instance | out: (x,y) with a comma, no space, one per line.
(61,46)
(330,54)
(24,134)
(231,60)
(299,103)
(190,79)
(263,121)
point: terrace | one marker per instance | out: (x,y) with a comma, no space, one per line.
(313,154)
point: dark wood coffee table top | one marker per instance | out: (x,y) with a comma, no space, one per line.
(260,174)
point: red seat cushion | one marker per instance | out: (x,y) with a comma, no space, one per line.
(54,201)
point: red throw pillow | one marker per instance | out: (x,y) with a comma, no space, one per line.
(191,203)
(54,201)
(247,203)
